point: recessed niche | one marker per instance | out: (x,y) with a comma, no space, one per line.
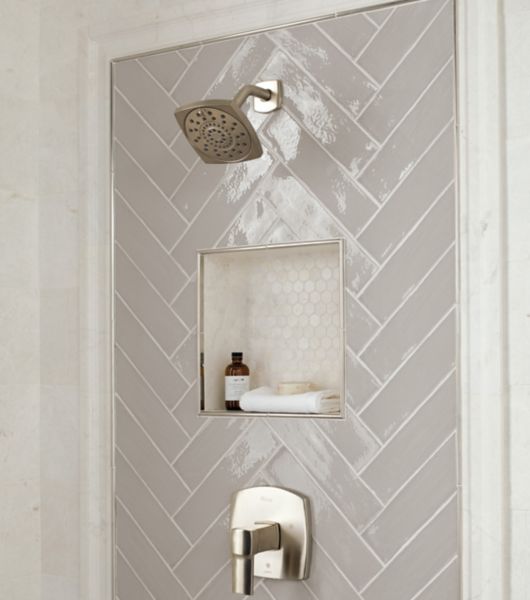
(282,306)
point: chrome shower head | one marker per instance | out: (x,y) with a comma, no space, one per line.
(220,132)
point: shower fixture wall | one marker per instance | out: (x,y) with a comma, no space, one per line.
(220,132)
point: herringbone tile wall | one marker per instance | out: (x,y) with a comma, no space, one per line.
(362,150)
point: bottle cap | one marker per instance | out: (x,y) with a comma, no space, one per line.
(237,355)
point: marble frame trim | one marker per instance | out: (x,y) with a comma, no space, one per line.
(482,253)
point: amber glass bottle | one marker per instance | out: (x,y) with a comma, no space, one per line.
(237,379)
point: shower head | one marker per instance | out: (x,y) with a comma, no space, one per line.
(220,132)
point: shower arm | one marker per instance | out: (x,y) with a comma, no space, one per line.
(251,90)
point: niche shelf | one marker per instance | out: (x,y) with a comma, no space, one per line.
(282,306)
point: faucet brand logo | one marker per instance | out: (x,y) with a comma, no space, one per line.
(265,499)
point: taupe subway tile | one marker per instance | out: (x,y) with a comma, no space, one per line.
(146,200)
(352,438)
(445,585)
(413,444)
(155,106)
(415,503)
(127,584)
(411,78)
(197,187)
(145,561)
(350,32)
(187,411)
(409,264)
(344,81)
(396,37)
(147,254)
(185,358)
(330,528)
(147,357)
(404,332)
(379,15)
(211,60)
(189,54)
(207,556)
(243,67)
(147,408)
(431,176)
(416,379)
(148,307)
(155,523)
(405,146)
(218,585)
(360,383)
(360,324)
(145,147)
(212,441)
(252,224)
(326,581)
(166,68)
(333,129)
(234,191)
(286,590)
(230,474)
(147,461)
(420,560)
(308,161)
(329,469)
(304,214)
(184,150)
(185,305)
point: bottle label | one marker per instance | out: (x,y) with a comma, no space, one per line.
(236,386)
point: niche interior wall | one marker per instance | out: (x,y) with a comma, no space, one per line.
(362,150)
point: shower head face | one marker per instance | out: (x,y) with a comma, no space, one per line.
(219,131)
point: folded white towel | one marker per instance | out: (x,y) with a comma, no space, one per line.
(263,399)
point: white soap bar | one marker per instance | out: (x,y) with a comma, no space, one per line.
(293,387)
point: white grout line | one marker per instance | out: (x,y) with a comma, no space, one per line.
(340,166)
(226,509)
(189,279)
(402,243)
(148,540)
(410,417)
(192,333)
(236,441)
(338,569)
(433,579)
(402,181)
(407,482)
(384,143)
(403,58)
(148,72)
(151,337)
(150,127)
(411,540)
(351,117)
(407,298)
(134,367)
(363,307)
(337,46)
(152,286)
(374,35)
(117,142)
(188,63)
(162,455)
(347,235)
(357,477)
(208,583)
(140,580)
(155,498)
(324,493)
(407,360)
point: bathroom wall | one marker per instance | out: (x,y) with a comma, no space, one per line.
(362,150)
